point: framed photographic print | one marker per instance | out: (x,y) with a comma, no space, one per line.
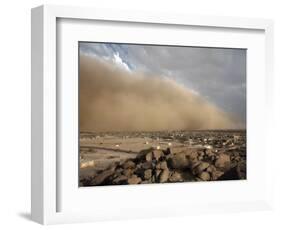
(158,114)
(137,114)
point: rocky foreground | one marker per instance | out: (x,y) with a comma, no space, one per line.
(164,166)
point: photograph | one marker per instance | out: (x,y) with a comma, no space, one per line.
(153,113)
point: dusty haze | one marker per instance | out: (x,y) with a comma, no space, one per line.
(112,99)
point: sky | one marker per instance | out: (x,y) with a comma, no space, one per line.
(216,74)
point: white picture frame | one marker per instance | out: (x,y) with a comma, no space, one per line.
(53,201)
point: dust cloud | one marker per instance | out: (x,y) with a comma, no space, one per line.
(113,99)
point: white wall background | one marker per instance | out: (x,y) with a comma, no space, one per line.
(15,113)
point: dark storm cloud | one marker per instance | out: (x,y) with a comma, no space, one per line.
(218,75)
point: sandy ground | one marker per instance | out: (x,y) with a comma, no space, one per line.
(103,151)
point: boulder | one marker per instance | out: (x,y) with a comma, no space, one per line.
(147,174)
(149,156)
(200,157)
(134,180)
(200,168)
(120,180)
(205,176)
(194,164)
(223,162)
(158,172)
(85,181)
(238,158)
(164,176)
(119,170)
(142,154)
(146,165)
(167,151)
(101,178)
(187,175)
(128,172)
(212,158)
(211,169)
(157,154)
(231,174)
(216,174)
(129,164)
(139,172)
(158,165)
(175,177)
(209,152)
(242,170)
(163,165)
(179,161)
(193,156)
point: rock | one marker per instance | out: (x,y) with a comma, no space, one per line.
(164,176)
(115,175)
(157,172)
(162,158)
(213,158)
(114,166)
(209,152)
(216,174)
(210,156)
(163,165)
(119,170)
(157,154)
(200,158)
(223,162)
(134,180)
(187,176)
(147,174)
(101,177)
(158,165)
(205,176)
(128,172)
(142,154)
(193,156)
(139,172)
(129,165)
(149,156)
(243,153)
(194,164)
(179,161)
(154,179)
(167,151)
(242,170)
(203,153)
(120,180)
(175,177)
(146,165)
(86,181)
(211,168)
(200,168)
(238,158)
(231,174)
